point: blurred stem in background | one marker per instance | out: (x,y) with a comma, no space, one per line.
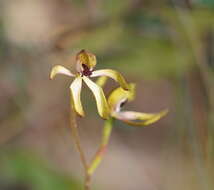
(200,89)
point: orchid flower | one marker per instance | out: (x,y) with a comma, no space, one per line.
(85,63)
(117,100)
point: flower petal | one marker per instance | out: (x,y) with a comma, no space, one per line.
(58,69)
(102,106)
(92,59)
(101,81)
(112,74)
(131,117)
(119,96)
(86,58)
(75,88)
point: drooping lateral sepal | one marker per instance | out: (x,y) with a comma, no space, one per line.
(75,89)
(102,105)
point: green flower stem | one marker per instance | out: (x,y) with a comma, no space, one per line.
(102,148)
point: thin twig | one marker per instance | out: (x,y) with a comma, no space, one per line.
(76,138)
(87,182)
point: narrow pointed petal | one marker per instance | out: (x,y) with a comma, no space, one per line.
(112,74)
(139,119)
(119,96)
(102,106)
(75,88)
(58,69)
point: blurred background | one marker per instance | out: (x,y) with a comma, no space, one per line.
(166,47)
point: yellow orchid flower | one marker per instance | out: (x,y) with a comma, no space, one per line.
(116,101)
(85,63)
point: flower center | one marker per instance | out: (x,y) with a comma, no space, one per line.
(86,71)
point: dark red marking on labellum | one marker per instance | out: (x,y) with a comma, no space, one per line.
(123,103)
(86,71)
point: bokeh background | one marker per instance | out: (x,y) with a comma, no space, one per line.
(166,47)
